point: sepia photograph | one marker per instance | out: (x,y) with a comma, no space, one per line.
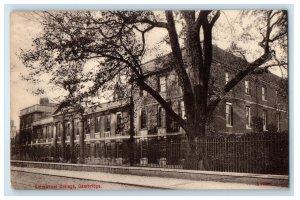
(149,100)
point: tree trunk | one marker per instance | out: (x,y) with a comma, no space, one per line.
(195,157)
(191,157)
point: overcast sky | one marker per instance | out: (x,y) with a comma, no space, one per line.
(25,27)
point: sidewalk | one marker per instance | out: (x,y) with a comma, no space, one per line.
(145,181)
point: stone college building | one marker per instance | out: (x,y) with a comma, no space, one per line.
(101,135)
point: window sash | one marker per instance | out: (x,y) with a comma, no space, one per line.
(119,122)
(143,119)
(247,90)
(97,124)
(278,121)
(263,93)
(248,117)
(229,112)
(265,120)
(47,132)
(162,84)
(226,77)
(143,93)
(107,123)
(88,126)
(183,115)
(76,127)
(159,116)
(58,130)
(68,129)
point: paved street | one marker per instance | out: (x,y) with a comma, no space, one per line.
(28,181)
(38,178)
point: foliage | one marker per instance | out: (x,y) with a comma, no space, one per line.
(87,52)
(257,124)
(272,128)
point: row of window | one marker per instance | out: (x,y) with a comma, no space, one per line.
(162,83)
(263,90)
(247,87)
(105,121)
(229,117)
(44,132)
(162,86)
(97,123)
(162,119)
(47,131)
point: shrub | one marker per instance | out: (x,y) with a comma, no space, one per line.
(257,124)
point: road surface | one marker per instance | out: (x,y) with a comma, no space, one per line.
(41,178)
(29,181)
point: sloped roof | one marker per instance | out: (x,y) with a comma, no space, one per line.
(219,55)
(101,106)
(269,78)
(230,59)
(107,106)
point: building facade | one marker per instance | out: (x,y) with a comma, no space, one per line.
(102,133)
(27,117)
(256,104)
(13,133)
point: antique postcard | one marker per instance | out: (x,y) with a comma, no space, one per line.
(149,99)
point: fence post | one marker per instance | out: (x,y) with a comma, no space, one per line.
(163,152)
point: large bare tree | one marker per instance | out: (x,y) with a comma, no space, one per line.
(116,41)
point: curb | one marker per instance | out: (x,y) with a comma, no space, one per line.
(227,177)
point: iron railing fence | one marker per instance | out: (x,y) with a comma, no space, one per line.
(253,153)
